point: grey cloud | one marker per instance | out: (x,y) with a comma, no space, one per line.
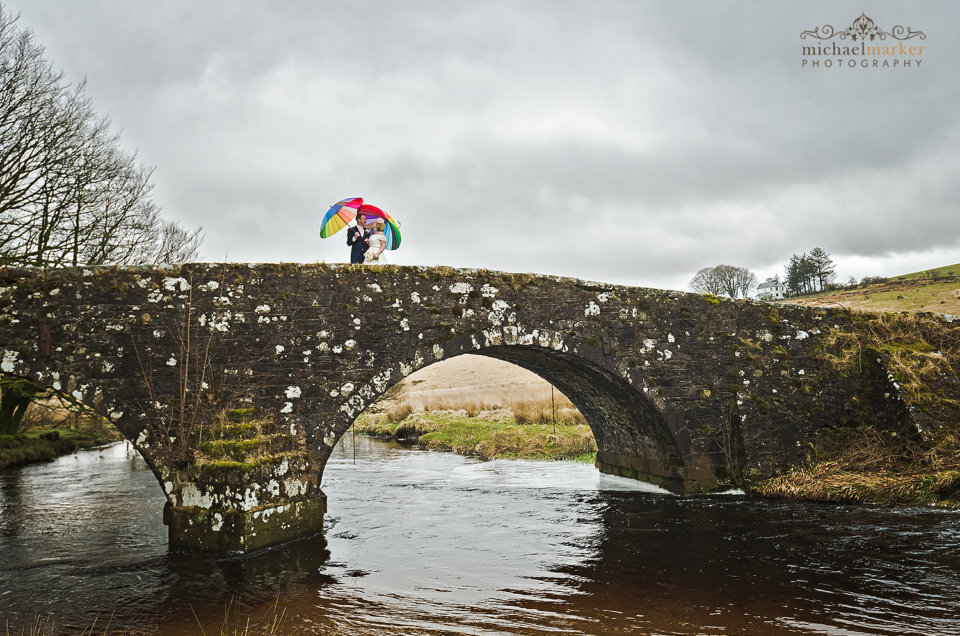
(629,141)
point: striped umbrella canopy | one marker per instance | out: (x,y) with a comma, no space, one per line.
(339,216)
(391,229)
(344,212)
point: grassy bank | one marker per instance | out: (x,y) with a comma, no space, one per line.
(49,430)
(832,481)
(865,465)
(26,448)
(936,272)
(523,431)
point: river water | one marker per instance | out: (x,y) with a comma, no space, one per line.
(424,542)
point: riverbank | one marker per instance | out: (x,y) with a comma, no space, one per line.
(48,444)
(521,432)
(833,482)
(871,466)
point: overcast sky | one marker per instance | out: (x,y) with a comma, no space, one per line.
(629,142)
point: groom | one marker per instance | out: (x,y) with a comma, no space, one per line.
(359,238)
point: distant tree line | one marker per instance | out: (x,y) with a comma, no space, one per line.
(69,194)
(804,273)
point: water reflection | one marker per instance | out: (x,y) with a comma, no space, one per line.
(420,542)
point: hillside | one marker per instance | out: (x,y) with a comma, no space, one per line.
(938,272)
(935,290)
(472,380)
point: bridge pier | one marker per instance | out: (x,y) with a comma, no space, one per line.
(233,531)
(249,486)
(695,478)
(643,469)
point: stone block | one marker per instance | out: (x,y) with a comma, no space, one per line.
(242,531)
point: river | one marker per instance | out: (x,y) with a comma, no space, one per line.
(420,542)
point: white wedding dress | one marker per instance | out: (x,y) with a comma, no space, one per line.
(375,242)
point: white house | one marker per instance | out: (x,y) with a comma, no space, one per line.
(771,289)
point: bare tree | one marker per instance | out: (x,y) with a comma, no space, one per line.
(705,281)
(69,194)
(729,280)
(28,87)
(176,244)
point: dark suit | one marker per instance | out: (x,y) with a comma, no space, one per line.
(355,238)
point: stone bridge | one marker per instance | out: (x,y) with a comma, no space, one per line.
(687,391)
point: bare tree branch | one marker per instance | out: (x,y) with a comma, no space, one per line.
(69,194)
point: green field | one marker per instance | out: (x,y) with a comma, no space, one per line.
(935,290)
(489,435)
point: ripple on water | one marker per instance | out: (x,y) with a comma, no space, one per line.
(422,542)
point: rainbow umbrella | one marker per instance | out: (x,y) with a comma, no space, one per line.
(391,229)
(344,212)
(339,216)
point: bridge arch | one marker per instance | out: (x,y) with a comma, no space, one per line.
(624,421)
(619,414)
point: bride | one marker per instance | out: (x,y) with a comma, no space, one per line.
(378,244)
